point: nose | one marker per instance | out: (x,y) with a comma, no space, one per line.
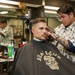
(45,31)
(61,19)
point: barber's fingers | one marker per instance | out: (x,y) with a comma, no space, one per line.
(49,34)
(64,42)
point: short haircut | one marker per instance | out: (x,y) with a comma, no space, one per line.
(66,9)
(37,20)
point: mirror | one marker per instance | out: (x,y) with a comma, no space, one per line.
(13,11)
(15,15)
(8,13)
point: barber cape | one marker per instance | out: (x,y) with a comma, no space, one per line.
(41,58)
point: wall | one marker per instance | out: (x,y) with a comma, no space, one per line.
(17,24)
(17,27)
(53,22)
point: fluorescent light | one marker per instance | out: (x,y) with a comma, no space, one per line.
(51,7)
(3,12)
(50,11)
(43,2)
(9,2)
(6,6)
(32,5)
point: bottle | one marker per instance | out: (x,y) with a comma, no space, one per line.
(10,51)
(12,44)
(5,52)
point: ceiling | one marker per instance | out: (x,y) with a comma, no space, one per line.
(48,2)
(16,11)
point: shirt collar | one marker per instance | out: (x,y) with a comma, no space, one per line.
(69,27)
(36,39)
(72,25)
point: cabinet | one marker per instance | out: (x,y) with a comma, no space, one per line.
(5,66)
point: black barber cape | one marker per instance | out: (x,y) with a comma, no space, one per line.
(41,58)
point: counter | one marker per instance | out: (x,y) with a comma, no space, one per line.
(6,66)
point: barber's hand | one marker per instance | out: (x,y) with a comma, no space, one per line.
(52,36)
(63,41)
(51,33)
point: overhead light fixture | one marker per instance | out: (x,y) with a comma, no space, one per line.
(50,11)
(9,2)
(51,7)
(3,12)
(32,5)
(43,2)
(7,6)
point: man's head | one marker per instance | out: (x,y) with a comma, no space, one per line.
(3,22)
(66,14)
(39,28)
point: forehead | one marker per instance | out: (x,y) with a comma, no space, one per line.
(41,24)
(62,14)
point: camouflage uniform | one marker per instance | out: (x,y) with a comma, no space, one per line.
(8,35)
(69,34)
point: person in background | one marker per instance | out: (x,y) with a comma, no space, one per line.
(23,42)
(65,33)
(6,32)
(40,57)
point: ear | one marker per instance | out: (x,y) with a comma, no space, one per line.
(32,30)
(71,14)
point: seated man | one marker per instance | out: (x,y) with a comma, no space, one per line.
(40,57)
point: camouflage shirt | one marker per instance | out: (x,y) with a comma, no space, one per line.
(69,34)
(7,35)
